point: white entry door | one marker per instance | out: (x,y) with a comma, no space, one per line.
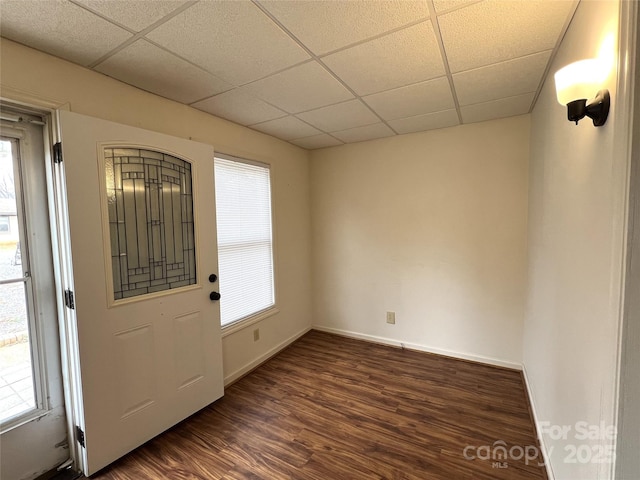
(141,215)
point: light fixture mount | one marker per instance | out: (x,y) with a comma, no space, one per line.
(576,83)
(597,109)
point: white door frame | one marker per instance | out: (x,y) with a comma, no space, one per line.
(46,109)
(66,316)
(627,398)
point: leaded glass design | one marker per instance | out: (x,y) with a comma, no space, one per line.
(150,204)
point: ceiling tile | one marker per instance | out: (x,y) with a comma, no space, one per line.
(340,117)
(506,79)
(286,128)
(324,26)
(240,107)
(60,28)
(234,40)
(408,56)
(317,141)
(498,30)
(149,67)
(301,88)
(505,107)
(368,132)
(430,121)
(424,97)
(443,5)
(134,14)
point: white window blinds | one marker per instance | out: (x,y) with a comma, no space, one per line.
(245,256)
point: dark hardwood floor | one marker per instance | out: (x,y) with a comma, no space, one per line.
(330,408)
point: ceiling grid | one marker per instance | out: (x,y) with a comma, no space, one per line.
(330,138)
(316,73)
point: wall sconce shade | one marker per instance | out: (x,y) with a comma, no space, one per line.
(576,83)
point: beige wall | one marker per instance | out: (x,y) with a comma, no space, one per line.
(576,225)
(27,73)
(432,226)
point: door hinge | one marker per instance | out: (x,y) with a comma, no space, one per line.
(57,152)
(80,435)
(69,300)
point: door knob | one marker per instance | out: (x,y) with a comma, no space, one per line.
(214,296)
(213,277)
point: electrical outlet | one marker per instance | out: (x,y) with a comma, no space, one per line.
(256,335)
(391,318)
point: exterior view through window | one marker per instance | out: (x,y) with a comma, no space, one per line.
(16,373)
(245,250)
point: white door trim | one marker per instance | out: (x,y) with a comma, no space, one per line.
(29,104)
(623,148)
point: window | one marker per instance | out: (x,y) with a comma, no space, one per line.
(150,221)
(245,250)
(4,224)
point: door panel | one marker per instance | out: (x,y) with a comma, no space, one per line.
(189,352)
(134,353)
(149,343)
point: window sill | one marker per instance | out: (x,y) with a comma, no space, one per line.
(23,419)
(248,321)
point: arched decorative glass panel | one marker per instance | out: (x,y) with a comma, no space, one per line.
(150,207)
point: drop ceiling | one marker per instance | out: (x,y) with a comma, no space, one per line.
(314,73)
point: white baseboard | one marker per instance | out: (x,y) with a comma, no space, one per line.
(241,372)
(545,450)
(421,348)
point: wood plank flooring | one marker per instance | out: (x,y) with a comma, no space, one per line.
(330,408)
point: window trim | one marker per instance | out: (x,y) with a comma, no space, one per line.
(274,309)
(247,321)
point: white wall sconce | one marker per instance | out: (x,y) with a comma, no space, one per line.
(576,83)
